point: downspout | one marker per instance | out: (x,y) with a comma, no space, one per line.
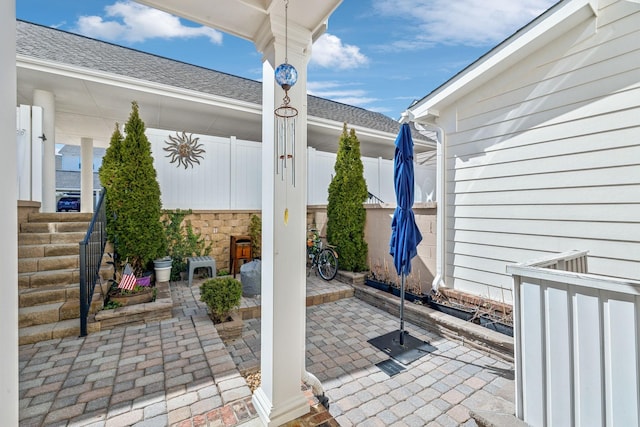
(407,116)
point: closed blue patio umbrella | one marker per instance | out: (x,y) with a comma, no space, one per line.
(405,235)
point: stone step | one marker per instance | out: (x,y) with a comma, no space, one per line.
(39,250)
(60,217)
(39,314)
(54,312)
(52,294)
(32,297)
(50,238)
(62,262)
(65,328)
(53,227)
(56,278)
(43,279)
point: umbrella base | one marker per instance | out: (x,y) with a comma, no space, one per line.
(410,351)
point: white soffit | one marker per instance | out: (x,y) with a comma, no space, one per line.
(548,26)
(245,18)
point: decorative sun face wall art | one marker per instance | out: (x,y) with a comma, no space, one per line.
(184,149)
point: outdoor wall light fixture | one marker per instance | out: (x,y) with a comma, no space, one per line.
(286,76)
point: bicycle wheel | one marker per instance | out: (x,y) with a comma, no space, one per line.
(327,264)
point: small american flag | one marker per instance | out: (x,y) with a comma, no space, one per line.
(128,280)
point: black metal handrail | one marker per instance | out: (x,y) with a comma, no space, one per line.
(91,252)
(373,199)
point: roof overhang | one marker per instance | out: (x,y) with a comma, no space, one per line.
(247,18)
(539,32)
(89,102)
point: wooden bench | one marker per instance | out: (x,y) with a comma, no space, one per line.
(198,262)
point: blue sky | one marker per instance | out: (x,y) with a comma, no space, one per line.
(376,54)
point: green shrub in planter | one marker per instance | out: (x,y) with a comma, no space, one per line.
(221,294)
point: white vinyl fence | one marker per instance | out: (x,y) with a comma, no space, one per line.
(577,344)
(229,175)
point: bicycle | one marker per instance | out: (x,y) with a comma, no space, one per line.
(324,259)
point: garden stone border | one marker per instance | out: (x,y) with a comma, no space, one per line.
(160,309)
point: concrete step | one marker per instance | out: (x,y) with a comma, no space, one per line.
(39,314)
(53,227)
(49,295)
(54,312)
(62,262)
(52,294)
(40,251)
(53,279)
(65,328)
(60,217)
(50,238)
(44,279)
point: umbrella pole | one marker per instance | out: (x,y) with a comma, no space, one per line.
(402,309)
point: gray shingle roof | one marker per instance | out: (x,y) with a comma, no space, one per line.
(56,45)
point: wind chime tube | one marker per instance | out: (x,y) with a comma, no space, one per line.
(293,151)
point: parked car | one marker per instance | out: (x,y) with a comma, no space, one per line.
(68,203)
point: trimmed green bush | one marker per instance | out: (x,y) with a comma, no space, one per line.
(221,294)
(346,215)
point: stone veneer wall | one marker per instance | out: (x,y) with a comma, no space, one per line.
(378,234)
(217,227)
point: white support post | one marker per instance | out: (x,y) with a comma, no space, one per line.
(8,212)
(86,175)
(46,100)
(279,398)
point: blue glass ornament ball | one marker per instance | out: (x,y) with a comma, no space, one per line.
(286,75)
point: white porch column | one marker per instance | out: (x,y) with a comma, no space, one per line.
(9,215)
(279,398)
(47,101)
(86,175)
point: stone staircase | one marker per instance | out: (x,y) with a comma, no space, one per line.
(49,276)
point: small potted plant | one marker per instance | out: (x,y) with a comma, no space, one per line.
(222,295)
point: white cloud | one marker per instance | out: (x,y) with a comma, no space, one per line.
(461,22)
(329,52)
(340,92)
(134,22)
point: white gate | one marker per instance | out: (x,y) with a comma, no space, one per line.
(29,139)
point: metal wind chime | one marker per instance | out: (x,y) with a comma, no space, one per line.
(286,76)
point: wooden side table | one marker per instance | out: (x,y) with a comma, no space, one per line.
(239,250)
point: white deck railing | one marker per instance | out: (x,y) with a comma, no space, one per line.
(577,339)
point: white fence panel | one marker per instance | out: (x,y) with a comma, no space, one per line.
(577,347)
(320,170)
(246,174)
(229,175)
(378,173)
(206,186)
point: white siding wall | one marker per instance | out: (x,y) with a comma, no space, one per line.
(546,158)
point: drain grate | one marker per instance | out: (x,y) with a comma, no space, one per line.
(390,367)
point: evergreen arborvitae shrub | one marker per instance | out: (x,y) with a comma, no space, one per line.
(110,162)
(134,196)
(346,214)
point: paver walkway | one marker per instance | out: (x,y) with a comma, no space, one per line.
(178,372)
